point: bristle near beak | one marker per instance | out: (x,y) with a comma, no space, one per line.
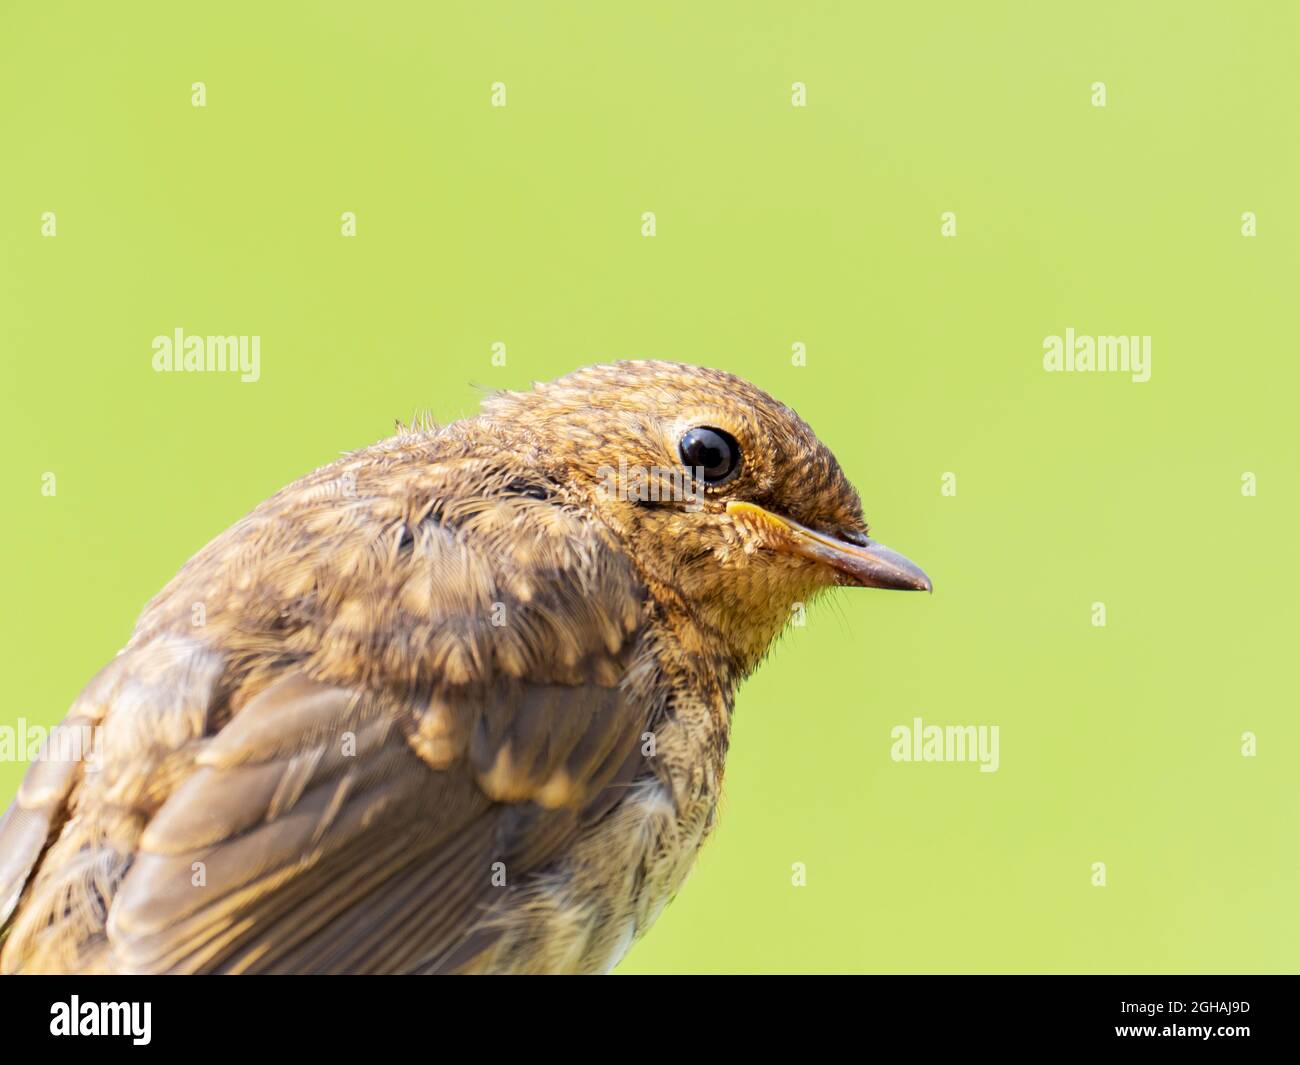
(869,564)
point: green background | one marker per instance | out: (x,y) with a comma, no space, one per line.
(776,225)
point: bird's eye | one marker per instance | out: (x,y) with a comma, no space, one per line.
(711,450)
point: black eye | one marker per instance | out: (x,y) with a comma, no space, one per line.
(710,450)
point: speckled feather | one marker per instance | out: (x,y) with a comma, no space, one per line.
(450,708)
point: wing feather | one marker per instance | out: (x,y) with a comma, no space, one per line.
(329,777)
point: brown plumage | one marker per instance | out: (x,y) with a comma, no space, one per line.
(456,702)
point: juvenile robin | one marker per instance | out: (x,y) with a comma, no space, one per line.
(460,701)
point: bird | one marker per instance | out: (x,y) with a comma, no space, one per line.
(457,702)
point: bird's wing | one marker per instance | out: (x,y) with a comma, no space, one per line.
(384,718)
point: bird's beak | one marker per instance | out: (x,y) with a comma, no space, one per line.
(870,565)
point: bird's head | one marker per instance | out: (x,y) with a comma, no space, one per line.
(726,501)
